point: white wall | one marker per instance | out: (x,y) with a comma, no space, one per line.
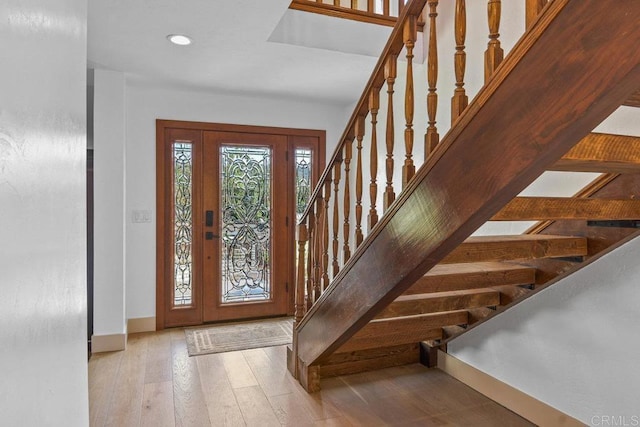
(43,355)
(144,104)
(109,183)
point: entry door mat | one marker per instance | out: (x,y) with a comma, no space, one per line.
(239,336)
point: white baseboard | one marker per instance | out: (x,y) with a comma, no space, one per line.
(104,343)
(141,324)
(511,398)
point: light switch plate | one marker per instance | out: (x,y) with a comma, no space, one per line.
(141,215)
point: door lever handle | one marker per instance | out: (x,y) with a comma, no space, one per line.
(209,235)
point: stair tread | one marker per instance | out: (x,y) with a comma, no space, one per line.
(436,295)
(633,100)
(568,208)
(513,247)
(421,304)
(474,267)
(601,152)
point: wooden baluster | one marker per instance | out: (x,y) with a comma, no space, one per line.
(400,6)
(354,4)
(371,7)
(410,34)
(459,101)
(359,137)
(390,71)
(374,106)
(335,2)
(300,308)
(494,53)
(533,9)
(336,216)
(385,8)
(310,256)
(317,256)
(347,198)
(432,138)
(325,235)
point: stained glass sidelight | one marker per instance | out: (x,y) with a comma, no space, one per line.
(182,222)
(303,180)
(245,194)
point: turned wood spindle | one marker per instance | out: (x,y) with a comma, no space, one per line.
(300,308)
(374,106)
(359,138)
(390,72)
(354,4)
(310,256)
(347,198)
(533,9)
(317,256)
(371,7)
(410,34)
(325,235)
(494,53)
(335,2)
(459,101)
(385,8)
(336,215)
(432,138)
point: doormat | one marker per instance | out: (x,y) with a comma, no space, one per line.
(239,336)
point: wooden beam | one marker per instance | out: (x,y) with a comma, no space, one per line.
(634,100)
(422,304)
(604,153)
(518,125)
(457,277)
(556,208)
(343,12)
(500,248)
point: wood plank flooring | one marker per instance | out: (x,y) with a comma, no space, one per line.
(155,383)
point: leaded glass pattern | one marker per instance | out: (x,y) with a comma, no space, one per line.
(245,195)
(303,180)
(182,222)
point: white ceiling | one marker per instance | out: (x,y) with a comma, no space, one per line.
(231,50)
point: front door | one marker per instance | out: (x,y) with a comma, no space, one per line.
(227,203)
(245,248)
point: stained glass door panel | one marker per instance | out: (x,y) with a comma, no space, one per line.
(245,261)
(179,224)
(245,199)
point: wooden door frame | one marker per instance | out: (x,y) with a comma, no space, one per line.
(162,245)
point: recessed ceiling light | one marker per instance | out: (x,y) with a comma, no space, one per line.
(179,39)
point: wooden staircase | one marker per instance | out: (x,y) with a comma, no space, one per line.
(419,280)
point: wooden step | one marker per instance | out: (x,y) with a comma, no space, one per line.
(410,305)
(367,360)
(599,152)
(524,246)
(633,100)
(412,329)
(567,208)
(473,275)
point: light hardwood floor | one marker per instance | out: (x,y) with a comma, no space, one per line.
(155,383)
